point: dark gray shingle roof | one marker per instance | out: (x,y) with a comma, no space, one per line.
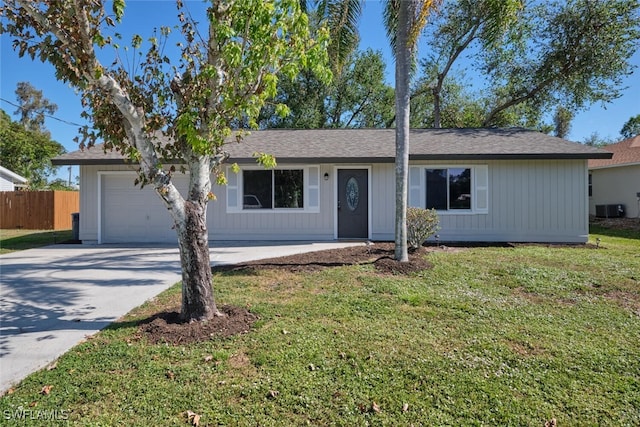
(378,146)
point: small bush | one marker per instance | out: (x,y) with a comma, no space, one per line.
(421,224)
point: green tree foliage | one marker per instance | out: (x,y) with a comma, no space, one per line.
(534,56)
(341,18)
(27,152)
(33,106)
(463,24)
(458,105)
(595,140)
(570,53)
(357,97)
(60,184)
(360,97)
(562,122)
(631,127)
(228,65)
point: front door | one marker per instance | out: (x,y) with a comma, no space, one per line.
(353,204)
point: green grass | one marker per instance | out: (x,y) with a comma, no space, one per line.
(489,336)
(18,240)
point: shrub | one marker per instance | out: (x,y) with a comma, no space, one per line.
(421,224)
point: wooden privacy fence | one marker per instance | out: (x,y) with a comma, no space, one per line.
(38,210)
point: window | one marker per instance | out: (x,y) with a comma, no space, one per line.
(448,189)
(296,189)
(590,185)
(269,189)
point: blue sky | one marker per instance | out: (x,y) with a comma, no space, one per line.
(142,15)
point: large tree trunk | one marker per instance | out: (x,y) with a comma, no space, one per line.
(198,302)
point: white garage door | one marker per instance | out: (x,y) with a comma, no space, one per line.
(134,215)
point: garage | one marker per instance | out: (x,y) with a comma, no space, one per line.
(132,214)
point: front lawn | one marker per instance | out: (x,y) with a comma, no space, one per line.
(18,240)
(488,336)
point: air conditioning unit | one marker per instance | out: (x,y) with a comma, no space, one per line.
(610,211)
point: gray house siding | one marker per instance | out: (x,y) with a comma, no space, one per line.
(113,210)
(226,223)
(529,201)
(616,185)
(525,186)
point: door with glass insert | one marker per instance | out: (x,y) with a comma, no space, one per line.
(353,204)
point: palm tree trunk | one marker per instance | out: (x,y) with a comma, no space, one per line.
(403,70)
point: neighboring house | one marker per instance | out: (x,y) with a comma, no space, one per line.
(488,185)
(10,180)
(615,182)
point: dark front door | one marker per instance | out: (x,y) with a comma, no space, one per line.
(353,204)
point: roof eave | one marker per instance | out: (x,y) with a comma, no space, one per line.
(615,165)
(82,162)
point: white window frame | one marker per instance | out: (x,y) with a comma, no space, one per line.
(479,188)
(310,182)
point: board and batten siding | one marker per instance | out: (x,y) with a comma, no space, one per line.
(126,214)
(89,200)
(273,224)
(528,201)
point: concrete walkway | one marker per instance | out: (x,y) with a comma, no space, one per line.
(51,298)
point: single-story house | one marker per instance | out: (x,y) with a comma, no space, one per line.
(492,185)
(9,180)
(614,184)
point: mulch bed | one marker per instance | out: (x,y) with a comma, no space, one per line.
(378,254)
(167,327)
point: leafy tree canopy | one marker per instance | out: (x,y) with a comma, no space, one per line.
(596,140)
(33,106)
(631,127)
(226,66)
(27,152)
(535,58)
(357,97)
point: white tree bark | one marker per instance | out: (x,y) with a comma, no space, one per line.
(188,214)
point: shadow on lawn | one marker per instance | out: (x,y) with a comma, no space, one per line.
(35,240)
(626,228)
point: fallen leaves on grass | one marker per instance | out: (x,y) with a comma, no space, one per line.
(192,418)
(46,390)
(373,408)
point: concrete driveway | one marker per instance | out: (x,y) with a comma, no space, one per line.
(51,298)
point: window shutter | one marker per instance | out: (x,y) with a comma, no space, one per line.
(414,187)
(313,188)
(232,189)
(481,189)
